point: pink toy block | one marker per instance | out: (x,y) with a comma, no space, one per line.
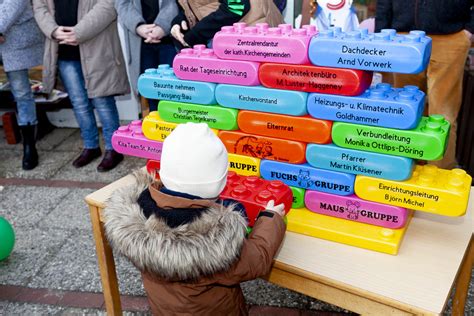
(262,43)
(200,64)
(355,209)
(129,140)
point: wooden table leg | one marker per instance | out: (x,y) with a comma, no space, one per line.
(464,278)
(106,265)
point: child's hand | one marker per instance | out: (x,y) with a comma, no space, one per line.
(279,209)
(178,34)
(144,30)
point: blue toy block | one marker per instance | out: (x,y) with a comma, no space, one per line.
(386,51)
(307,177)
(331,157)
(162,84)
(380,106)
(259,98)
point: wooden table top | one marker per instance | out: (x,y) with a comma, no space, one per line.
(421,275)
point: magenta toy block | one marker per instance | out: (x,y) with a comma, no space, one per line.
(254,193)
(129,140)
(355,209)
(200,64)
(262,43)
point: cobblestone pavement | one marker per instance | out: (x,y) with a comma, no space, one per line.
(53,268)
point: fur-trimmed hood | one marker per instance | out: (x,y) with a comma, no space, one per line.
(209,244)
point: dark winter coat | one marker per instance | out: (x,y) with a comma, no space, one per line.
(194,268)
(431,16)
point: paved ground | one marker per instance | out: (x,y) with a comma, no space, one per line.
(53,268)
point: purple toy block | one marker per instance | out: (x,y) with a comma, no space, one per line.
(200,64)
(129,140)
(355,209)
(262,43)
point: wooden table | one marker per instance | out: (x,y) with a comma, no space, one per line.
(436,254)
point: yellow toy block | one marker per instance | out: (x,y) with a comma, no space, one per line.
(153,127)
(244,165)
(381,239)
(430,189)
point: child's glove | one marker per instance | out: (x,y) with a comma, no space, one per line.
(279,209)
(178,34)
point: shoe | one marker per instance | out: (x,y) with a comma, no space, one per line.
(30,155)
(86,156)
(110,161)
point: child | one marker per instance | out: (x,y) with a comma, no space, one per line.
(328,13)
(198,21)
(190,247)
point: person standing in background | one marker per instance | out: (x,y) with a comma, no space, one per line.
(82,43)
(326,13)
(21,47)
(199,21)
(147,25)
(450,24)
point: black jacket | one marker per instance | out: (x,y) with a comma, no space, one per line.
(205,29)
(431,16)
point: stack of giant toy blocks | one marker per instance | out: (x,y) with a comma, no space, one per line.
(296,105)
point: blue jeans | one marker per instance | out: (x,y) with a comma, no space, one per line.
(25,103)
(73,80)
(152,55)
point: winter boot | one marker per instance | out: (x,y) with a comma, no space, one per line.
(30,155)
(110,161)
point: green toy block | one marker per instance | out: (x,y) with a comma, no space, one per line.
(298,197)
(214,115)
(427,141)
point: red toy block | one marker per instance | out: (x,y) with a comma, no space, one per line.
(309,78)
(254,193)
(153,168)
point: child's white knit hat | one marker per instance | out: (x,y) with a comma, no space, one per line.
(194,161)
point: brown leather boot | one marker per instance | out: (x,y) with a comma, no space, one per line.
(110,161)
(86,156)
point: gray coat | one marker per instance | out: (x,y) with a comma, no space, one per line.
(130,15)
(23,46)
(99,45)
